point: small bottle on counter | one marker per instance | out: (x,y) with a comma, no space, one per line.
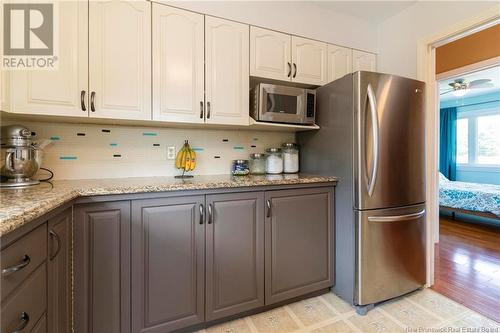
(290,158)
(257,164)
(274,161)
(240,168)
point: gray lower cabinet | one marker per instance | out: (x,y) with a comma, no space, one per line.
(59,272)
(168,263)
(102,267)
(234,253)
(298,242)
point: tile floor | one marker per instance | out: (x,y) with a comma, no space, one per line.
(327,313)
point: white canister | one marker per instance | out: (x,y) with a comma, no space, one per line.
(274,161)
(290,158)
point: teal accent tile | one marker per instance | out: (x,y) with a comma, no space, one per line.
(55,138)
(149,134)
(238,147)
(68,157)
(113,144)
(198,149)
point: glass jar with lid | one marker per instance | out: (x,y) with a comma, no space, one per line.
(290,158)
(257,164)
(240,168)
(274,161)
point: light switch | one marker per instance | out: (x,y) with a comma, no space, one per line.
(171,153)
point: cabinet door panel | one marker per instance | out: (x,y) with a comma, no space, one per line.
(59,273)
(227,72)
(178,60)
(270,54)
(339,62)
(363,61)
(309,59)
(102,268)
(299,242)
(57,92)
(235,254)
(168,254)
(120,59)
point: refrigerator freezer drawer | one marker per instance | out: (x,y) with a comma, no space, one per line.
(390,258)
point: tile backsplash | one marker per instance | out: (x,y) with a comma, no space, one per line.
(102,151)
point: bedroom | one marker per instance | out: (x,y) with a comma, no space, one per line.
(467,260)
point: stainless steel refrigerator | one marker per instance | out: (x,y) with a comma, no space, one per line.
(372,136)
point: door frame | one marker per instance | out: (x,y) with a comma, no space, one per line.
(426,71)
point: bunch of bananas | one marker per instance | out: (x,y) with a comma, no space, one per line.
(186,158)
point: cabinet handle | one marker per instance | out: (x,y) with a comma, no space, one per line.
(210,214)
(202,213)
(25,319)
(289,69)
(82,100)
(268,204)
(56,236)
(201,109)
(295,70)
(92,98)
(208,110)
(12,269)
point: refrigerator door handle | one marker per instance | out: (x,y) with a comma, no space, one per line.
(375,134)
(395,218)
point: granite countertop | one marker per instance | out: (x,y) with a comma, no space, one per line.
(20,206)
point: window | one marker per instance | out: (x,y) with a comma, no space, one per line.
(463,141)
(478,136)
(488,140)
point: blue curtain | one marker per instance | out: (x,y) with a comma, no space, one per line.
(448,142)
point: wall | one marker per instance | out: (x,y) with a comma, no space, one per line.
(480,46)
(398,36)
(295,17)
(99,151)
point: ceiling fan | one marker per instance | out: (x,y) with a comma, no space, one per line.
(459,87)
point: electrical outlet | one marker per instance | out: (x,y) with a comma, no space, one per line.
(171,153)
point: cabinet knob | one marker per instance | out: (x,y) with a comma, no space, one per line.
(202,213)
(82,100)
(210,214)
(201,109)
(12,269)
(92,99)
(268,204)
(208,110)
(289,69)
(53,234)
(295,70)
(25,319)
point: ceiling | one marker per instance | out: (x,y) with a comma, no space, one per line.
(492,73)
(374,11)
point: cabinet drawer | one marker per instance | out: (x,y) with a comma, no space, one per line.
(25,306)
(22,258)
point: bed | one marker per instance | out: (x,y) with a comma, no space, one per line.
(469,198)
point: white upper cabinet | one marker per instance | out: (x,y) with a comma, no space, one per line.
(270,54)
(363,61)
(339,62)
(178,73)
(61,92)
(227,71)
(120,59)
(309,61)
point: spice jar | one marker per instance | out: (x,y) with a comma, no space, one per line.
(274,161)
(290,158)
(257,164)
(240,168)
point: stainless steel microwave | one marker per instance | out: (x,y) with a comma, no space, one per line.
(282,104)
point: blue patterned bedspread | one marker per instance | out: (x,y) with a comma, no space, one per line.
(469,196)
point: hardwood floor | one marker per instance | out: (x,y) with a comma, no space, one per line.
(467,267)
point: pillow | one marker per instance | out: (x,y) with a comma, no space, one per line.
(442,178)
